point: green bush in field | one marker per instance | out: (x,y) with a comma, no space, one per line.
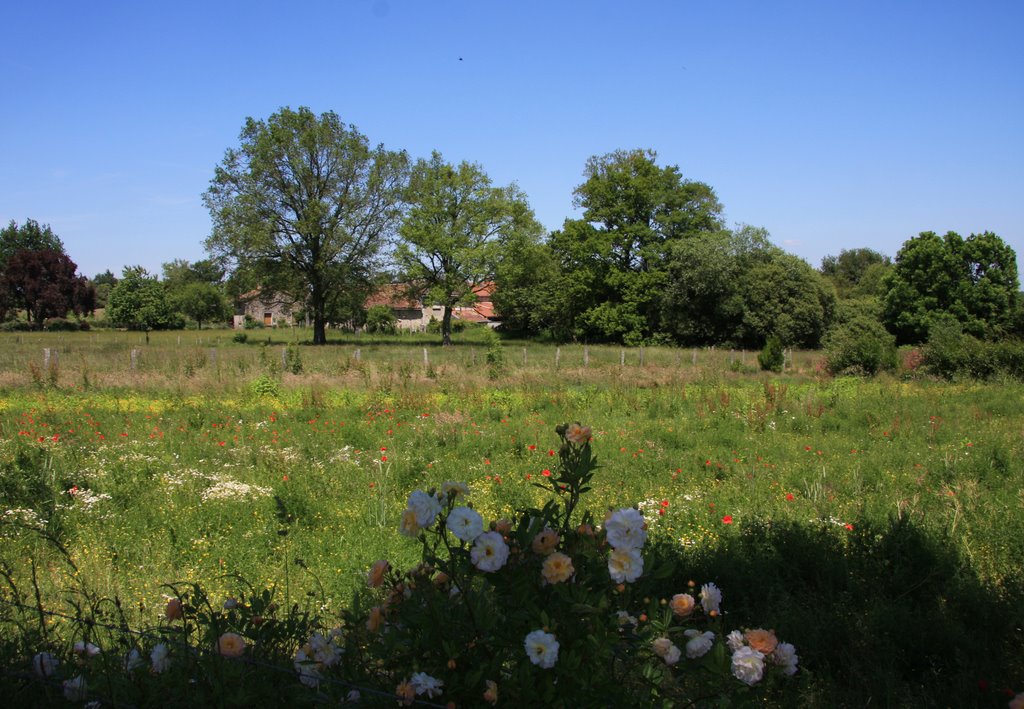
(381,320)
(772,357)
(264,385)
(860,346)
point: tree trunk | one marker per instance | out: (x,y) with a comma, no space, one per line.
(319,306)
(446,326)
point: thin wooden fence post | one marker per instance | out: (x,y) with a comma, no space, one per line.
(356,354)
(586,355)
(426,359)
(622,357)
(558,356)
(524,356)
(46,358)
(134,358)
(641,355)
(284,359)
(693,358)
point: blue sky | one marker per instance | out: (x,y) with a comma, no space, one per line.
(832,124)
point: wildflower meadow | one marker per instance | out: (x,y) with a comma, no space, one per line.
(375,523)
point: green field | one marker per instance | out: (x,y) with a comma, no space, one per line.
(878,523)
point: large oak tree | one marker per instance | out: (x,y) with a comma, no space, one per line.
(305,205)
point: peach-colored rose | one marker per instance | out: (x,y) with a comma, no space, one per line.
(491,693)
(682,604)
(557,568)
(376,576)
(503,527)
(406,693)
(231,645)
(587,530)
(375,620)
(545,542)
(173,610)
(764,641)
(409,526)
(577,434)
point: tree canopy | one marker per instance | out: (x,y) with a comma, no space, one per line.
(612,259)
(44,283)
(306,205)
(139,302)
(30,236)
(457,230)
(974,280)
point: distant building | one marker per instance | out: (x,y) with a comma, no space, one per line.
(268,309)
(414,316)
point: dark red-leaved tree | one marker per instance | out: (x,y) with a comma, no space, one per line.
(44,284)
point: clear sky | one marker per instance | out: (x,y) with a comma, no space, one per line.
(832,124)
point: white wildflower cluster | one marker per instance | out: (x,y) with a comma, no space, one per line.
(233,490)
(318,652)
(626,532)
(88,499)
(24,516)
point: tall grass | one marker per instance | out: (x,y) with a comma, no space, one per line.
(878,523)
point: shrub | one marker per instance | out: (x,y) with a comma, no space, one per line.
(16,326)
(860,346)
(240,338)
(264,385)
(772,358)
(434,326)
(63,325)
(944,354)
(495,355)
(380,319)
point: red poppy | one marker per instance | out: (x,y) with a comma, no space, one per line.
(546,473)
(849,526)
(789,496)
(727,519)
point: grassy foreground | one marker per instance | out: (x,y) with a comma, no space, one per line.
(878,525)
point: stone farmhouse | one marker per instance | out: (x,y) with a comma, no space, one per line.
(414,315)
(271,310)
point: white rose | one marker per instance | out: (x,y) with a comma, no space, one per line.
(735,640)
(542,649)
(160,657)
(748,665)
(75,690)
(785,655)
(625,529)
(710,598)
(625,565)
(699,643)
(489,552)
(45,664)
(422,683)
(465,523)
(425,507)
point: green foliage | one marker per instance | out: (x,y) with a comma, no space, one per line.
(495,355)
(456,231)
(973,280)
(139,302)
(856,272)
(785,297)
(772,357)
(612,260)
(240,337)
(861,345)
(380,319)
(303,206)
(203,302)
(30,236)
(293,358)
(265,385)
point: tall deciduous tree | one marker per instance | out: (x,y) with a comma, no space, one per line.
(613,258)
(306,204)
(30,236)
(44,283)
(139,302)
(457,230)
(973,280)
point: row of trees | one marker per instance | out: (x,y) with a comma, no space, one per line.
(305,207)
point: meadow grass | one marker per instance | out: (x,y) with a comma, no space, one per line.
(878,524)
